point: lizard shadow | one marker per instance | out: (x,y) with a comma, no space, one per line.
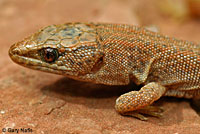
(85,93)
(97,96)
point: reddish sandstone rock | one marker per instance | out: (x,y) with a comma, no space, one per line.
(48,103)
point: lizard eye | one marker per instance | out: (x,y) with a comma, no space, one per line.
(49,54)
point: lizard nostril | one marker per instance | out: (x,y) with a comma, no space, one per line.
(14,50)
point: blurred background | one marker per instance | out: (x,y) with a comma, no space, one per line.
(43,102)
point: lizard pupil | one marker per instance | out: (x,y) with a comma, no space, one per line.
(49,54)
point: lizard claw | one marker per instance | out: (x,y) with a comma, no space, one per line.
(148,110)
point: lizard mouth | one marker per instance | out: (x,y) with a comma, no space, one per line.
(20,57)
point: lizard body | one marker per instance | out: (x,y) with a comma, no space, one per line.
(115,54)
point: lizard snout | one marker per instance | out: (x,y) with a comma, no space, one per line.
(14,51)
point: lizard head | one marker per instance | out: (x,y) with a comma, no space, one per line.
(70,49)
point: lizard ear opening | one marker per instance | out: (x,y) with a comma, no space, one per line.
(98,64)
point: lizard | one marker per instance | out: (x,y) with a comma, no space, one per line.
(116,54)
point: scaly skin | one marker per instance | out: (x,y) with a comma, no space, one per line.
(115,54)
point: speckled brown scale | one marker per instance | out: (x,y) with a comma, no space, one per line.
(115,54)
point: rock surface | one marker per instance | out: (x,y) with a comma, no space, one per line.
(47,103)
